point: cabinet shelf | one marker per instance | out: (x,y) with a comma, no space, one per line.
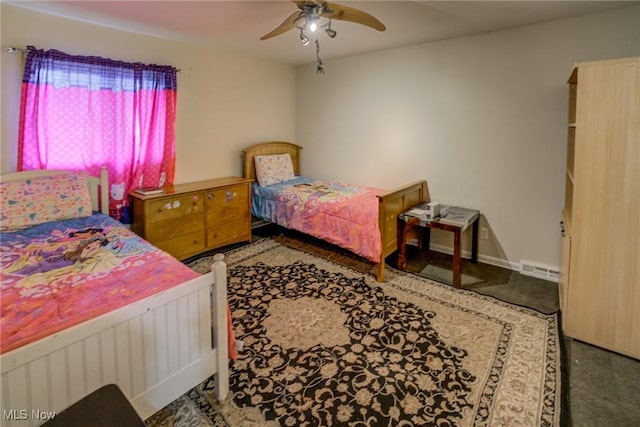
(600,244)
(571,150)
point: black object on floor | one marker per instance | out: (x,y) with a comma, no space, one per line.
(105,407)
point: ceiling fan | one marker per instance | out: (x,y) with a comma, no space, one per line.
(315,15)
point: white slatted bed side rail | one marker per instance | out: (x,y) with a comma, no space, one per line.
(155,350)
(215,361)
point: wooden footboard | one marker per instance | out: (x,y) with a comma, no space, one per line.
(391,204)
(155,350)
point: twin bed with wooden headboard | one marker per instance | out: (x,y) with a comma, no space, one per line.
(360,219)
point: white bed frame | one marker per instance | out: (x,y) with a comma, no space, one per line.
(155,349)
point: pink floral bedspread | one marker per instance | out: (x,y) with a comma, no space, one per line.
(342,214)
(59,274)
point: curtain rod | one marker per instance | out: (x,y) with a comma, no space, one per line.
(13,49)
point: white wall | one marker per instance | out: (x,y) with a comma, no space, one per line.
(226,101)
(481,118)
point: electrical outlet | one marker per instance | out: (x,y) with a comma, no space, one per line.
(484,233)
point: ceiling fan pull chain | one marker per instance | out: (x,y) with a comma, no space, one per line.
(320,66)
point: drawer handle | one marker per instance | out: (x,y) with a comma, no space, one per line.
(211,196)
(170,205)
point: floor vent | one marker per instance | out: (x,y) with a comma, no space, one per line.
(540,271)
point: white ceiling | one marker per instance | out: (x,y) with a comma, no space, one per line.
(238,25)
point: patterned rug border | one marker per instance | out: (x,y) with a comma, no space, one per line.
(349,260)
(397,279)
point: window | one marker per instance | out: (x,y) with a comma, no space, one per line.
(86,112)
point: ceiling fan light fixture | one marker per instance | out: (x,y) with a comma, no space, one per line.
(314,15)
(304,39)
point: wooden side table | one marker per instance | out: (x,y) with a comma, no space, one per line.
(457,220)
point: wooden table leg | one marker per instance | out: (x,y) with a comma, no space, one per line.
(403,229)
(426,238)
(474,240)
(457,260)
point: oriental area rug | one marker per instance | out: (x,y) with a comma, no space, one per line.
(326,345)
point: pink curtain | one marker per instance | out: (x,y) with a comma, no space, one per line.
(83,113)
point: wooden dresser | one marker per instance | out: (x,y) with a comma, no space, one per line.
(188,219)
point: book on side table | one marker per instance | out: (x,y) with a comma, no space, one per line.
(445,214)
(455,215)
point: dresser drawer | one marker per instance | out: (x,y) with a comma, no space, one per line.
(173,207)
(182,247)
(175,227)
(226,214)
(226,196)
(194,217)
(228,233)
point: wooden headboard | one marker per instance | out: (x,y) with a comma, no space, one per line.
(266,148)
(98,187)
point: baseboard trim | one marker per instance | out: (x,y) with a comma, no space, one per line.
(498,262)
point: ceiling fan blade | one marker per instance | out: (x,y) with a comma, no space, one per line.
(284,27)
(346,13)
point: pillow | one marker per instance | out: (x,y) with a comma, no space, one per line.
(273,168)
(32,201)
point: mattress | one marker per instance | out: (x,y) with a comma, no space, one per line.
(343,214)
(59,274)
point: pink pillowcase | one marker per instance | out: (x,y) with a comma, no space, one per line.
(273,169)
(38,200)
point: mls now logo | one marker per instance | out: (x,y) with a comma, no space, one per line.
(15,414)
(23,414)
(37,414)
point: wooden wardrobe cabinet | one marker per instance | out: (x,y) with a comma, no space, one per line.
(600,278)
(189,219)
